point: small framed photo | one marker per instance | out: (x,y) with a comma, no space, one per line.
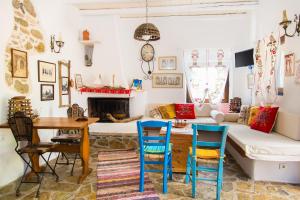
(47,92)
(19,64)
(297,78)
(167,80)
(78,81)
(64,85)
(167,63)
(46,72)
(289,67)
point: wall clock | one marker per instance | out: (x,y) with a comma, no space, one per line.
(147,55)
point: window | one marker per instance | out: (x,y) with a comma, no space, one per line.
(207,74)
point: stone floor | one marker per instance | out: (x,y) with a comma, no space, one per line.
(237,186)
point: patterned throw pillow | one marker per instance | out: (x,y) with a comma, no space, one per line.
(155,113)
(167,111)
(265,119)
(185,111)
(244,114)
(253,113)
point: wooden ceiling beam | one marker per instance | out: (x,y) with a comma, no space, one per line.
(104,5)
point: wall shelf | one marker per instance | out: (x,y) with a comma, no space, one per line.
(88,51)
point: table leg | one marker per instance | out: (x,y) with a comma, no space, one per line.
(85,155)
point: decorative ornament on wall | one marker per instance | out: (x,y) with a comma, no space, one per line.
(147,55)
(286,22)
(26,36)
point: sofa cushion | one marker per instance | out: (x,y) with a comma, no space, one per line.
(185,111)
(155,113)
(253,112)
(244,114)
(203,110)
(231,117)
(288,124)
(268,147)
(167,111)
(265,119)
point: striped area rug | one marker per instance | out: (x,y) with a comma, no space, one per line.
(118,177)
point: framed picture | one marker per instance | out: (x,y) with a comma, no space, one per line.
(78,81)
(19,64)
(168,80)
(46,72)
(289,64)
(64,85)
(297,78)
(167,63)
(47,92)
(64,80)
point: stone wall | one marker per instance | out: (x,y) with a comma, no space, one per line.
(114,142)
(26,36)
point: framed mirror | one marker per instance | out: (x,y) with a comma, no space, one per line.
(64,83)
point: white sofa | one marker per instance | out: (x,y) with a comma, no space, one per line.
(268,157)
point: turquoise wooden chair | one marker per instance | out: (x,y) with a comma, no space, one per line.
(159,145)
(206,150)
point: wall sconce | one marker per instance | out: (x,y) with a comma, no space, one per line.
(286,22)
(59,43)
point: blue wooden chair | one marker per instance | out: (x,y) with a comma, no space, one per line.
(159,145)
(206,150)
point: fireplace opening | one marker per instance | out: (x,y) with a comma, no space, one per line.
(100,107)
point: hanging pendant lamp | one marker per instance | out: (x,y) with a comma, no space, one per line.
(146,31)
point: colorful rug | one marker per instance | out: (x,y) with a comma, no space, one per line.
(118,175)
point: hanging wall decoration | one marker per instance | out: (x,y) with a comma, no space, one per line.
(27,36)
(64,83)
(167,63)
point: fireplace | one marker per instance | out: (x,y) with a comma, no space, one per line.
(99,107)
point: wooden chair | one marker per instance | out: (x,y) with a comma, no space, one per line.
(69,137)
(206,150)
(21,127)
(158,145)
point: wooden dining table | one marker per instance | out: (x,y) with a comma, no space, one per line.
(63,123)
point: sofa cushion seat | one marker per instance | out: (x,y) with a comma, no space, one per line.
(260,146)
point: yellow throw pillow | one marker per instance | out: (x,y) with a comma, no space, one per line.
(167,111)
(253,113)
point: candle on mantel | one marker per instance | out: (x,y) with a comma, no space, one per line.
(113,80)
(284,16)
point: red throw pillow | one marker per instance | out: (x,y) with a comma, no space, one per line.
(265,119)
(185,111)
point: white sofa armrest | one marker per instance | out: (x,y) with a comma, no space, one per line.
(217,116)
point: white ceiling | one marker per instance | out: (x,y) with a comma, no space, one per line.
(164,8)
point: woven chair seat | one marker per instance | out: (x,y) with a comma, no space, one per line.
(67,138)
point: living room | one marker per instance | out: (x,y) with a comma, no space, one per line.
(92,60)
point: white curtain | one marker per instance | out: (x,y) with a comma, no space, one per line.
(207,72)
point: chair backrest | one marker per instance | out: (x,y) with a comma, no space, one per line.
(21,127)
(74,111)
(211,144)
(154,140)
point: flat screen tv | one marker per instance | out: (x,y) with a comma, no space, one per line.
(244,58)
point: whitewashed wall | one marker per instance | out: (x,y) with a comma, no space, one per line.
(177,34)
(269,14)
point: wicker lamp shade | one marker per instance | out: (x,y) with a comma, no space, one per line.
(146,32)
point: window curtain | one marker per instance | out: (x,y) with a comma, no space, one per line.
(267,68)
(207,72)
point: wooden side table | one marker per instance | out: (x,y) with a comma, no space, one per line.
(181,138)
